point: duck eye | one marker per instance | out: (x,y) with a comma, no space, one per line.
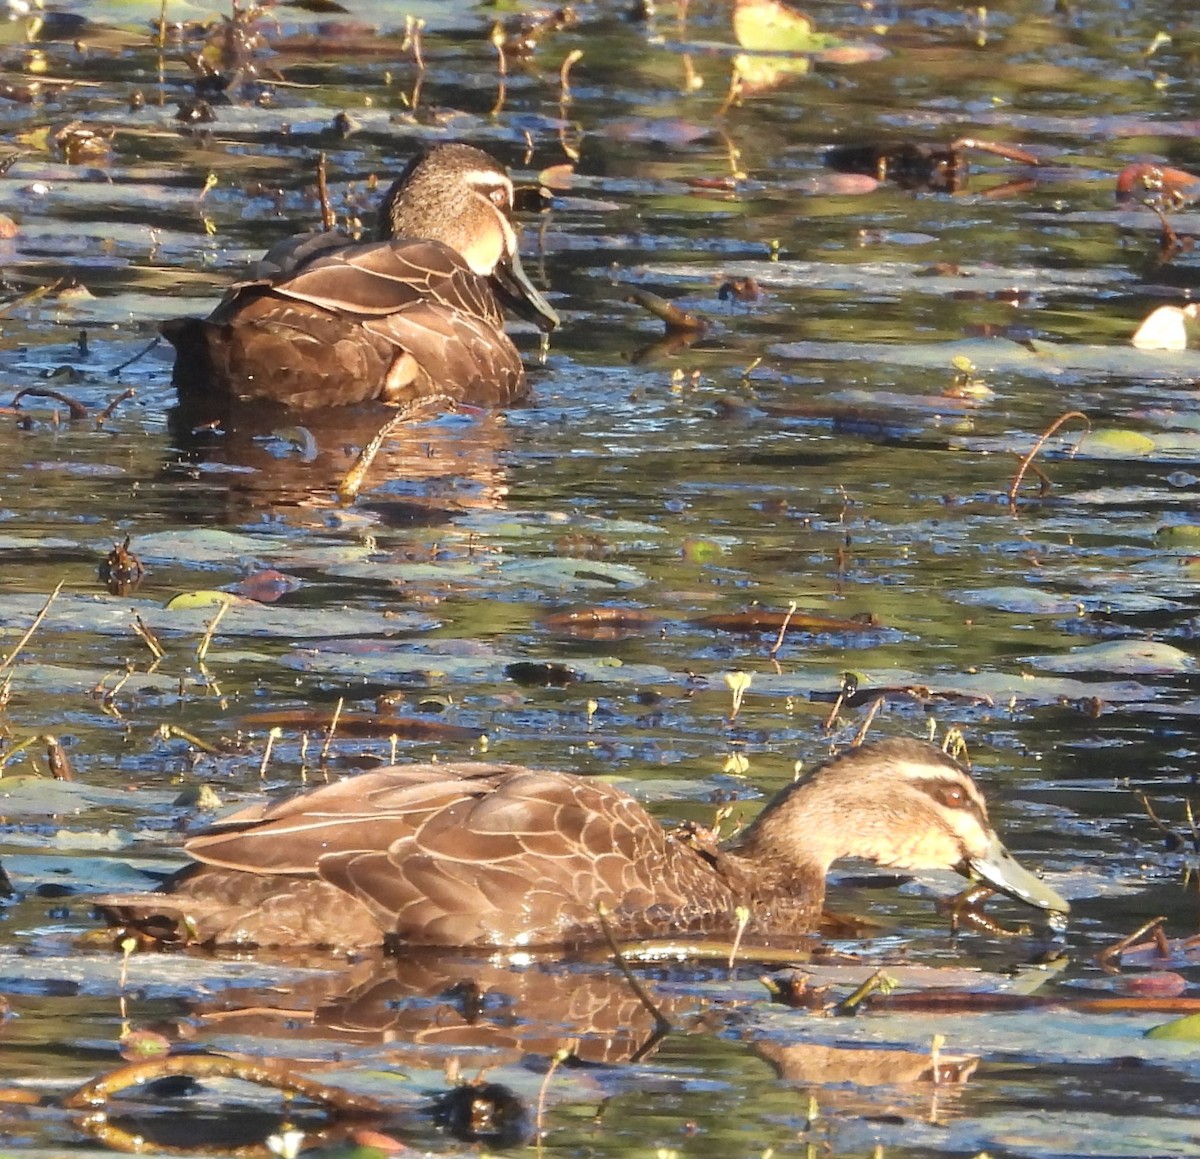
(499,197)
(948,796)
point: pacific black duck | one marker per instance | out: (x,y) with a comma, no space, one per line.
(414,313)
(501,855)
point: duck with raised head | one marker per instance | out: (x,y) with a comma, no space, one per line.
(414,313)
(504,856)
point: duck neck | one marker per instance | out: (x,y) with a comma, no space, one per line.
(789,847)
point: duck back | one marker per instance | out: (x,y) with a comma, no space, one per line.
(391,321)
(447,855)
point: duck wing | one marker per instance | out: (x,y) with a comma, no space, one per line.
(392,320)
(479,855)
(374,280)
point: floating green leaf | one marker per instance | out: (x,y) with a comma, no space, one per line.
(1186,1029)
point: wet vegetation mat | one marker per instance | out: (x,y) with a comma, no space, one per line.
(873,411)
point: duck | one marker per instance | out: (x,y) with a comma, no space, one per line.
(482,855)
(416,312)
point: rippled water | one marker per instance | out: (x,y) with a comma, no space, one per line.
(810,448)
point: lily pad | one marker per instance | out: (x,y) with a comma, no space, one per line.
(1140,657)
(771,26)
(1186,1029)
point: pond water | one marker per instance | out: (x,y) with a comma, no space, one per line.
(845,441)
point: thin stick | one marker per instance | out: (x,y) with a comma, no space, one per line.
(7,662)
(206,642)
(564,75)
(661,1024)
(140,354)
(560,1056)
(783,629)
(327,215)
(1024,466)
(876,705)
(147,637)
(353,480)
(116,401)
(337,712)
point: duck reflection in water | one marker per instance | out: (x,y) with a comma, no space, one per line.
(435,1009)
(290,467)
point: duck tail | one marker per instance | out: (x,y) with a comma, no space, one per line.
(198,355)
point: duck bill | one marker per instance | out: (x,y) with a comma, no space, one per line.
(1004,873)
(521,296)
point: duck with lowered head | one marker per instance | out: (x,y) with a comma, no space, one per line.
(414,313)
(492,855)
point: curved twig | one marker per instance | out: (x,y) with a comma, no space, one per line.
(1015,486)
(98,1091)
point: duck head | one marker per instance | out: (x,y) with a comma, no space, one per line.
(900,803)
(462,197)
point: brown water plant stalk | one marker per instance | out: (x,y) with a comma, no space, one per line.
(167,731)
(1109,958)
(497,38)
(75,409)
(661,1024)
(33,296)
(8,660)
(1025,462)
(354,478)
(327,214)
(210,631)
(272,736)
(98,1091)
(564,76)
(113,403)
(742,914)
(783,630)
(152,345)
(872,712)
(735,91)
(561,1055)
(337,712)
(737,682)
(413,27)
(147,636)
